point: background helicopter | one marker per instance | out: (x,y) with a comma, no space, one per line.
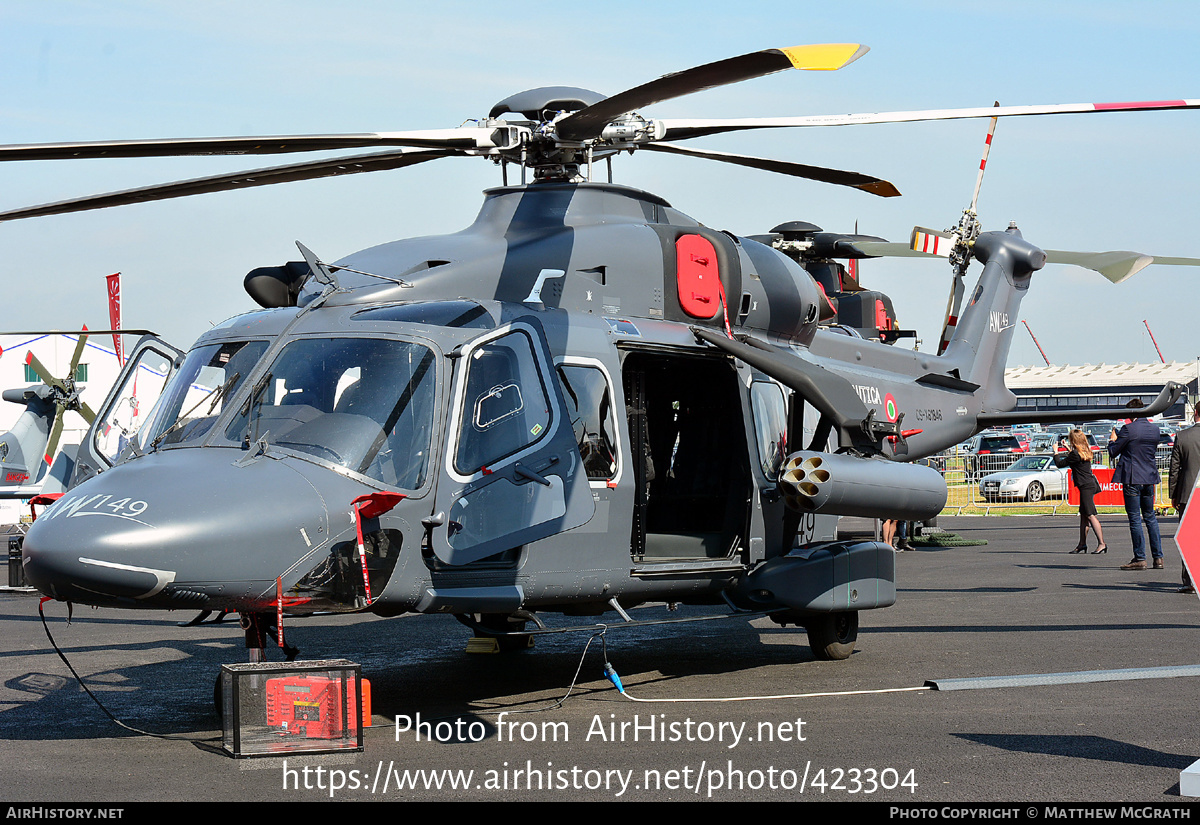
(28,450)
(590,384)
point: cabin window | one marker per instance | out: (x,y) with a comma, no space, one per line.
(505,406)
(770,426)
(589,404)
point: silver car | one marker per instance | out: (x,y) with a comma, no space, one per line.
(1032,478)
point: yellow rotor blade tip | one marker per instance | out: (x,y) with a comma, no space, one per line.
(824,57)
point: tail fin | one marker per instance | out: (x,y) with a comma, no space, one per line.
(978,350)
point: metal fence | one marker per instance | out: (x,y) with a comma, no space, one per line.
(963,471)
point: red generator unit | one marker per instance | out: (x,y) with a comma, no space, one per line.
(275,708)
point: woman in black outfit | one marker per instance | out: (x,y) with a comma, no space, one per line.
(1079,459)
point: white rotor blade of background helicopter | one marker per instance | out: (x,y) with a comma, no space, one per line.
(375,162)
(462,138)
(683,129)
(589,122)
(856,180)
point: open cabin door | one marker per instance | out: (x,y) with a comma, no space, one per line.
(147,369)
(512,471)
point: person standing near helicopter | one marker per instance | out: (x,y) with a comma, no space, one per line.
(1079,459)
(1185,465)
(1135,448)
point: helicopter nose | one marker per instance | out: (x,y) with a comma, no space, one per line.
(181,528)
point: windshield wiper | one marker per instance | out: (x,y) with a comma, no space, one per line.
(251,408)
(216,396)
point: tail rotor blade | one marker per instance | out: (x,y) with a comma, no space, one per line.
(987,147)
(932,242)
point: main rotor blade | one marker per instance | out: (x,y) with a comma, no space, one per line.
(462,138)
(310,170)
(589,122)
(856,180)
(680,129)
(76,332)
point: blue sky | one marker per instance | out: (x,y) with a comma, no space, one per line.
(90,71)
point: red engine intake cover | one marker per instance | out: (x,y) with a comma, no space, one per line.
(699,276)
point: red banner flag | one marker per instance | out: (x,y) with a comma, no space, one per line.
(114,313)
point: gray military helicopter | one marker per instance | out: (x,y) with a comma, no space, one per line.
(28,450)
(583,402)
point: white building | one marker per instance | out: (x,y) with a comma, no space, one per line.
(1101,385)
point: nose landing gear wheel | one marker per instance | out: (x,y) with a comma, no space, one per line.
(833,635)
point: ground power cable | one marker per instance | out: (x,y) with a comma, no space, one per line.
(610,673)
(87,690)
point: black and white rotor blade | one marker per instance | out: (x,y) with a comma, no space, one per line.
(311,170)
(589,122)
(683,129)
(839,177)
(462,138)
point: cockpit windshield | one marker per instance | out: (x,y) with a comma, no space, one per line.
(365,404)
(195,396)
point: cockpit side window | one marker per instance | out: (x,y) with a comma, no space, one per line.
(133,403)
(195,396)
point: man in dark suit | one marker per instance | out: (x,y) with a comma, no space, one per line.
(1185,463)
(1135,447)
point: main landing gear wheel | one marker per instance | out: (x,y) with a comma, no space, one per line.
(492,625)
(832,636)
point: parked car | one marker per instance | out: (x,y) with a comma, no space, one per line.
(989,451)
(1044,443)
(1031,478)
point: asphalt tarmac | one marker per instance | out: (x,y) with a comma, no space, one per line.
(863,729)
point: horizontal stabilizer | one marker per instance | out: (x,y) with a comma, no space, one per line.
(1116,266)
